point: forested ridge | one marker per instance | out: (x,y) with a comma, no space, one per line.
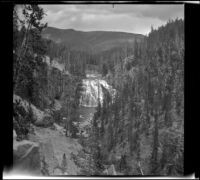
(136,130)
(93,42)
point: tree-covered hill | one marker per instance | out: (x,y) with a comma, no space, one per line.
(93,41)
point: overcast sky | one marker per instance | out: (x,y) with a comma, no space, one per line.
(127,18)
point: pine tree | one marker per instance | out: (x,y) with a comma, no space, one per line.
(33,15)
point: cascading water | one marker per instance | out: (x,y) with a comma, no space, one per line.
(92,90)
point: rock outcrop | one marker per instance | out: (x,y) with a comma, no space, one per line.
(26,157)
(41,118)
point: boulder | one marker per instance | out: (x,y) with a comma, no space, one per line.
(26,156)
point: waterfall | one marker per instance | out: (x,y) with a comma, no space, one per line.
(92,89)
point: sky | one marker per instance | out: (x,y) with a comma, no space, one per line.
(123,17)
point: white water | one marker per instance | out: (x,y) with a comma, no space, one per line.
(92,89)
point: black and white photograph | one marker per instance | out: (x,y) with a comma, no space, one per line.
(98,90)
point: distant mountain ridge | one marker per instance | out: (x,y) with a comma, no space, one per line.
(91,41)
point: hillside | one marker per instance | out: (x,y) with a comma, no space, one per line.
(111,109)
(95,41)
